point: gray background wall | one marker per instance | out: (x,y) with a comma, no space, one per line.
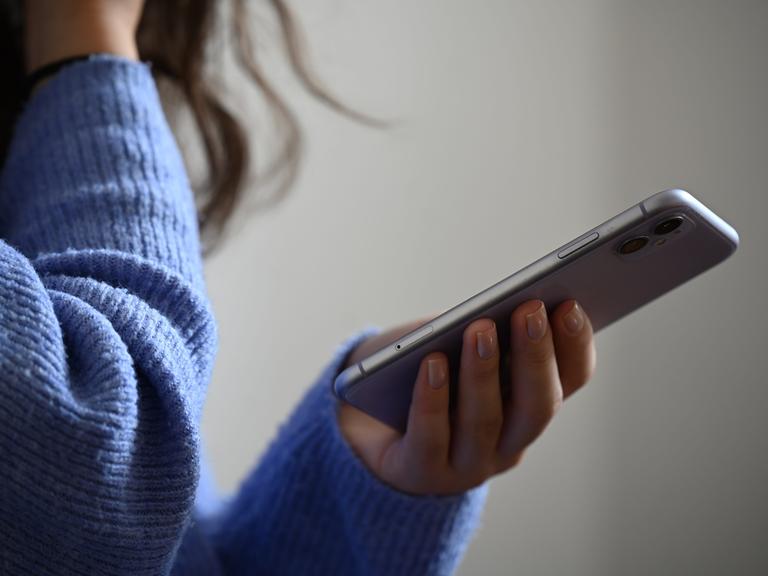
(521,124)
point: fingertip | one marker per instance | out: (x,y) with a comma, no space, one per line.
(574,344)
(570,319)
(431,389)
(526,308)
(481,325)
(437,371)
(530,323)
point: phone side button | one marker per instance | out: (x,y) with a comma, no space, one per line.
(578,245)
(415,337)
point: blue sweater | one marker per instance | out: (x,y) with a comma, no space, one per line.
(107,341)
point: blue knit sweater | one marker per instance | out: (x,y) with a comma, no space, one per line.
(107,341)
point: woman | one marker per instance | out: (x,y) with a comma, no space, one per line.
(107,341)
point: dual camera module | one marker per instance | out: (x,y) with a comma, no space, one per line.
(664,227)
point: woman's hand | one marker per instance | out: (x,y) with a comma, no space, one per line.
(56,29)
(549,361)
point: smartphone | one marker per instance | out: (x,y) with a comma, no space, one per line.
(611,270)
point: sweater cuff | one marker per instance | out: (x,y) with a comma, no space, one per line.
(311,506)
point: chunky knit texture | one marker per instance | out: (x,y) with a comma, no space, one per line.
(107,342)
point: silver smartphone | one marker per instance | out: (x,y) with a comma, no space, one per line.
(611,270)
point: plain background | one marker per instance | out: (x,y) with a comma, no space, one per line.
(518,126)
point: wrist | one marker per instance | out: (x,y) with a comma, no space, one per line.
(59,29)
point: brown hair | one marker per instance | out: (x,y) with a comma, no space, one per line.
(175,36)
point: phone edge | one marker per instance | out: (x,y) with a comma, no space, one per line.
(669,199)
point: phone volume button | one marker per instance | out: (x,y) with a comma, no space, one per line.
(578,245)
(415,337)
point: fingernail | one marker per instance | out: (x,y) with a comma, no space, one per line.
(574,320)
(486,342)
(537,323)
(436,373)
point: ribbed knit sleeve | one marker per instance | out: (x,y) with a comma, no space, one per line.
(106,336)
(311,506)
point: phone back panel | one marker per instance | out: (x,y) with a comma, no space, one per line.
(607,284)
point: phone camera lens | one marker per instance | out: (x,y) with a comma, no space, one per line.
(633,245)
(668,225)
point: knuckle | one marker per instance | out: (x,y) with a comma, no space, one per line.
(485,370)
(483,426)
(581,372)
(429,407)
(552,407)
(575,379)
(488,427)
(477,473)
(538,356)
(431,458)
(555,400)
(509,462)
(417,482)
(426,456)
(541,412)
(572,384)
(484,471)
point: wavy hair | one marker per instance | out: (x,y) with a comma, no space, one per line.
(176,37)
